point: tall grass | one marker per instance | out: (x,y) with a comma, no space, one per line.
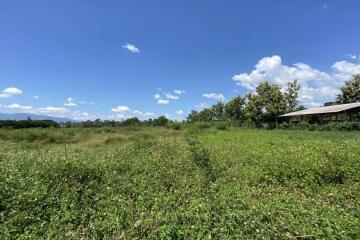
(157,183)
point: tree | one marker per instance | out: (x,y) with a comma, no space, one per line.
(218,111)
(131,122)
(350,92)
(271,99)
(193,116)
(160,121)
(254,109)
(235,109)
(206,115)
(291,96)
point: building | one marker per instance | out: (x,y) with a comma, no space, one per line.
(341,112)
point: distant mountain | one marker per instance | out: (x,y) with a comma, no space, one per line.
(24,116)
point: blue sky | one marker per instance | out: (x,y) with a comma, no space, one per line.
(110,59)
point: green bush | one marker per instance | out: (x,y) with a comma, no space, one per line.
(303,125)
(202,125)
(175,126)
(221,126)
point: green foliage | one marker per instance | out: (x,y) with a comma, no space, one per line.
(350,92)
(157,183)
(221,126)
(218,111)
(28,124)
(160,121)
(261,108)
(235,109)
(202,125)
(175,126)
(332,126)
(291,96)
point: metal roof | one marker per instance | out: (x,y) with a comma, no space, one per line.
(324,110)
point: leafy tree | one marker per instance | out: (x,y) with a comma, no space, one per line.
(160,121)
(291,96)
(235,109)
(254,109)
(350,92)
(218,111)
(206,115)
(271,99)
(193,116)
(131,122)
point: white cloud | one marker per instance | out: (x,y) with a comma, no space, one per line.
(353,56)
(216,96)
(170,96)
(9,92)
(130,114)
(18,107)
(70,102)
(201,105)
(179,92)
(120,109)
(12,90)
(179,112)
(157,96)
(149,114)
(5,95)
(131,48)
(78,115)
(51,109)
(85,102)
(163,101)
(35,97)
(316,86)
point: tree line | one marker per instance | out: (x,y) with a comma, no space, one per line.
(29,123)
(268,102)
(262,106)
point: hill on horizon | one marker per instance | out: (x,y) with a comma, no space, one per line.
(24,116)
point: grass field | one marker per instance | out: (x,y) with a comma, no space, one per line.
(160,183)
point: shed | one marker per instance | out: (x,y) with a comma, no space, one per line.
(340,112)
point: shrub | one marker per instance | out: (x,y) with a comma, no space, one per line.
(303,125)
(202,125)
(175,126)
(221,126)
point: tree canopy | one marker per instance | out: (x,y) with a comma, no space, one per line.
(350,92)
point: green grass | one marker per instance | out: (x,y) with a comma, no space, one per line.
(172,183)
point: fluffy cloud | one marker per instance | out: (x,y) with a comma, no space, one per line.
(201,105)
(170,96)
(52,110)
(120,109)
(85,102)
(179,92)
(216,96)
(163,101)
(353,56)
(164,98)
(70,102)
(125,114)
(317,86)
(131,48)
(179,112)
(9,92)
(19,107)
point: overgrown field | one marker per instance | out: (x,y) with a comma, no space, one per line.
(195,183)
